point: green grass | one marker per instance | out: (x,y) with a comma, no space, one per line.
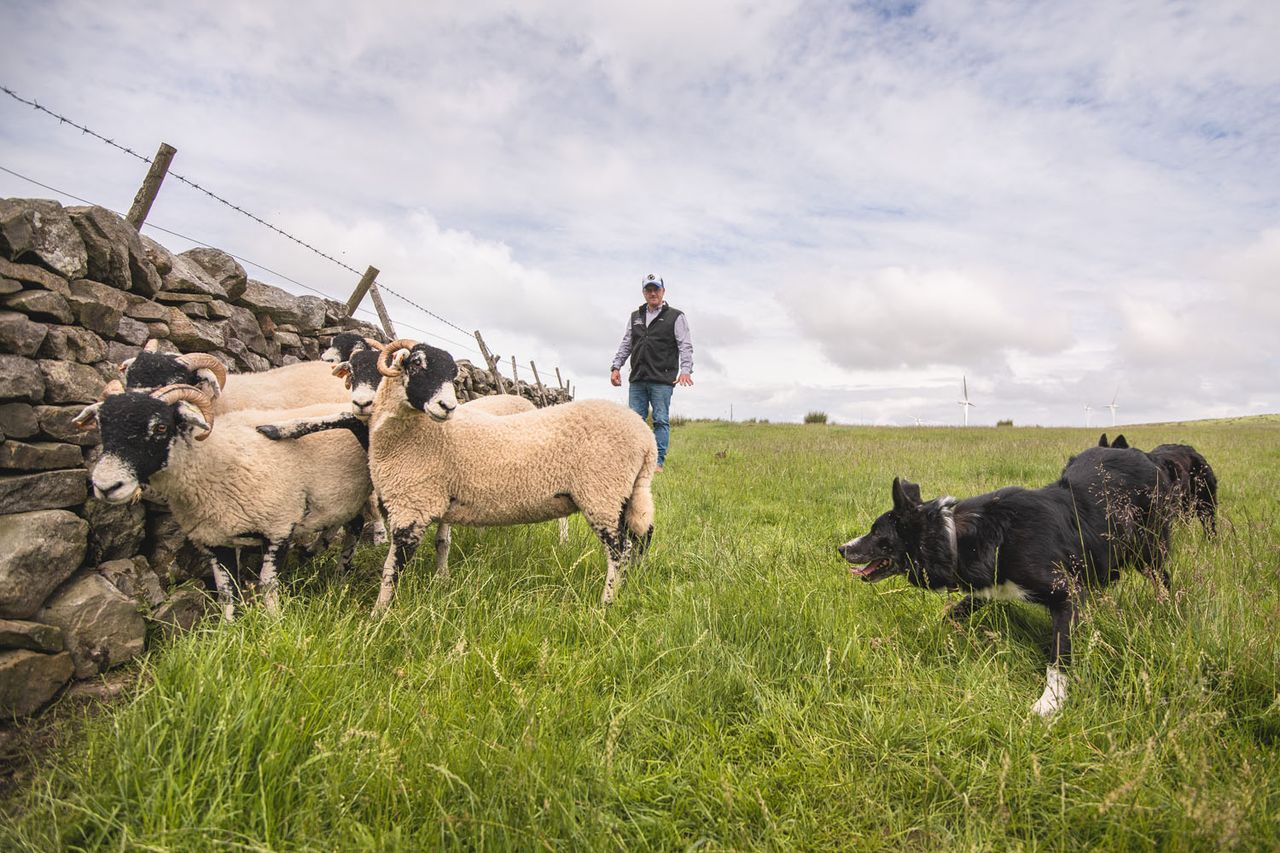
(743,691)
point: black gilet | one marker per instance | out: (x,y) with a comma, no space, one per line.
(654,354)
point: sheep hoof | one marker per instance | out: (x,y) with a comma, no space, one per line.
(271,431)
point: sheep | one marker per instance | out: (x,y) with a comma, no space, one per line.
(433,462)
(363,378)
(343,344)
(287,387)
(228,485)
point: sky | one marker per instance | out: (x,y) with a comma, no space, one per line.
(856,204)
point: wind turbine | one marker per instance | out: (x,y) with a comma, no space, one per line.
(918,421)
(1112,405)
(1088,414)
(964,384)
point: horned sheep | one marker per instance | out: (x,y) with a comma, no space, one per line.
(288,387)
(225,483)
(432,462)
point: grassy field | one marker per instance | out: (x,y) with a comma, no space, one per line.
(743,692)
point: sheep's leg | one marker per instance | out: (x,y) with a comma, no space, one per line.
(272,559)
(221,583)
(617,548)
(404,542)
(375,520)
(353,528)
(444,537)
(564,530)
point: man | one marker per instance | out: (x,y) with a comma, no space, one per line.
(661,351)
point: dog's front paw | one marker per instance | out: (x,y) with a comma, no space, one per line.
(1055,693)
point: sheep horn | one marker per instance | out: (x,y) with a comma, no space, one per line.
(190,394)
(377,345)
(152,345)
(115,386)
(202,360)
(384,359)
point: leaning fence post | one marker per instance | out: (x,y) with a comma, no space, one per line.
(542,394)
(151,185)
(492,362)
(366,282)
(515,377)
(376,295)
(559,381)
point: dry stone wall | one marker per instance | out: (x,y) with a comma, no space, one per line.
(84,583)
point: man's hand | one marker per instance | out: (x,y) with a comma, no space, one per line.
(684,379)
(615,377)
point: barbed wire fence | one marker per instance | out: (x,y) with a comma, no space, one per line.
(369,283)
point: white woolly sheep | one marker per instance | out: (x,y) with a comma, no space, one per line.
(287,387)
(235,487)
(431,462)
(363,378)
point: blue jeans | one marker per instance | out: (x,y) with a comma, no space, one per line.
(641,396)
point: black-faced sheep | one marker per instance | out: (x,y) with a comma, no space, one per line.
(363,378)
(287,387)
(431,463)
(225,483)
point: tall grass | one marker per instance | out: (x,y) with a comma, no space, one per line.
(742,692)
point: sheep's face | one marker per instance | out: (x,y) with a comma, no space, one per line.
(343,346)
(363,378)
(138,431)
(428,381)
(158,369)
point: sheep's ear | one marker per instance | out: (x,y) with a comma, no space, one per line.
(88,417)
(124,365)
(1120,442)
(343,370)
(1102,442)
(207,382)
(190,418)
(399,358)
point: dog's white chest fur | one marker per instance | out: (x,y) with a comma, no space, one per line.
(1007,591)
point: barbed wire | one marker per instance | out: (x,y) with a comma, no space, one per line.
(381,286)
(469,346)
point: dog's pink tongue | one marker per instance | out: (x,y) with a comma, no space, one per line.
(861,571)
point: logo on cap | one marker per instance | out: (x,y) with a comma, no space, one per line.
(651,280)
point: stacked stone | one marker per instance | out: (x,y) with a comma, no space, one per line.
(81,291)
(473,382)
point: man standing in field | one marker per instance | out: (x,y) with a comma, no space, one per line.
(661,352)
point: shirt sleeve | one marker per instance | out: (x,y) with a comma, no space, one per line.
(684,343)
(624,349)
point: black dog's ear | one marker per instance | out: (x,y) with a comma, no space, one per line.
(906,495)
(1102,442)
(1120,443)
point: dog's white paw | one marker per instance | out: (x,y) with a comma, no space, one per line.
(1055,693)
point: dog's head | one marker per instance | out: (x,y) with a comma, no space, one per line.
(884,551)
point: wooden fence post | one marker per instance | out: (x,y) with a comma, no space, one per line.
(542,394)
(151,185)
(366,282)
(559,381)
(492,361)
(515,377)
(376,295)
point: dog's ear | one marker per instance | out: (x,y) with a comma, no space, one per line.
(1120,442)
(1102,442)
(906,495)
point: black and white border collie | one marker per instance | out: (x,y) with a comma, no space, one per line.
(1194,485)
(1046,546)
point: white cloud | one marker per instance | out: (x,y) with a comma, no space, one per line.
(854,204)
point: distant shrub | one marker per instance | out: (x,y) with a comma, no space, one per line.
(756,421)
(1005,422)
(678,420)
(816,418)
